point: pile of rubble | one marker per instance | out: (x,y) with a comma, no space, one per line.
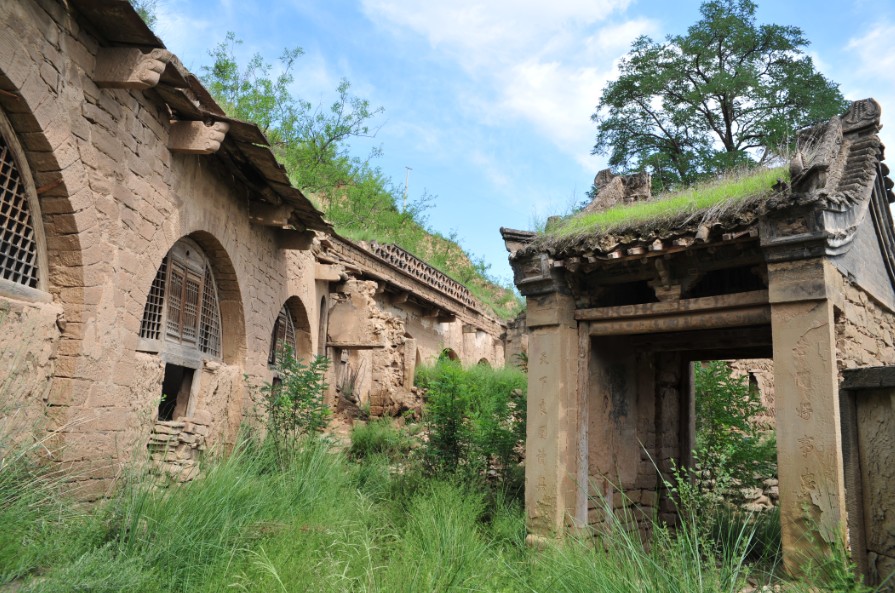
(175,446)
(757,500)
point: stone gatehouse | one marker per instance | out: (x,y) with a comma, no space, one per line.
(803,274)
(153,253)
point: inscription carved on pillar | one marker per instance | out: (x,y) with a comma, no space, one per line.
(129,68)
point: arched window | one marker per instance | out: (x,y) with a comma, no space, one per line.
(182,307)
(283,334)
(19,254)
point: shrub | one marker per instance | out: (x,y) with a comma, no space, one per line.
(475,418)
(446,417)
(728,440)
(378,437)
(293,403)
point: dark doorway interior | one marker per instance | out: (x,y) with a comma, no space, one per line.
(176,388)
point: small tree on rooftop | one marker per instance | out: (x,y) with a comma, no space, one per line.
(728,93)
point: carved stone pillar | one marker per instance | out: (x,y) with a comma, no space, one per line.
(806,385)
(551,469)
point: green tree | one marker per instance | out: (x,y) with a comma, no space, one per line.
(728,93)
(146,10)
(311,142)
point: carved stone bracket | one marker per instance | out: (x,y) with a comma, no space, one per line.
(129,68)
(194,137)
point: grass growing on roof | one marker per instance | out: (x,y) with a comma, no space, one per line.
(726,191)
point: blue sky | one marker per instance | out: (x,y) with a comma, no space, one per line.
(489,102)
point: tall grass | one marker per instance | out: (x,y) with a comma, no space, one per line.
(326,524)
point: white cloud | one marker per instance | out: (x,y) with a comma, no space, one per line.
(182,32)
(543,63)
(868,72)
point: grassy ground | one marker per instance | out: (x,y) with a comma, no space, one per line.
(727,192)
(388,514)
(325,523)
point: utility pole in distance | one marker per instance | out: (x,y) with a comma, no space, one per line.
(407,171)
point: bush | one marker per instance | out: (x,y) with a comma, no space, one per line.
(475,418)
(293,403)
(378,437)
(728,440)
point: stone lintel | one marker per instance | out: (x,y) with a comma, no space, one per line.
(194,137)
(868,378)
(129,68)
(804,280)
(13,290)
(355,345)
(690,321)
(273,215)
(716,303)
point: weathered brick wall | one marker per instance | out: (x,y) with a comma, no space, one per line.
(865,330)
(114,201)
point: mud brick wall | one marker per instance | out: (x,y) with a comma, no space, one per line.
(760,373)
(29,335)
(114,200)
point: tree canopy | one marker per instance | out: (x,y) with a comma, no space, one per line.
(728,93)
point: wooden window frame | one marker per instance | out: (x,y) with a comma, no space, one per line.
(189,293)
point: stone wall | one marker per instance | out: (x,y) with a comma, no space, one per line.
(760,374)
(110,199)
(865,330)
(875,424)
(517,340)
(377,345)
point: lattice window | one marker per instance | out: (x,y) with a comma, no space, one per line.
(151,326)
(18,245)
(183,299)
(283,334)
(210,334)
